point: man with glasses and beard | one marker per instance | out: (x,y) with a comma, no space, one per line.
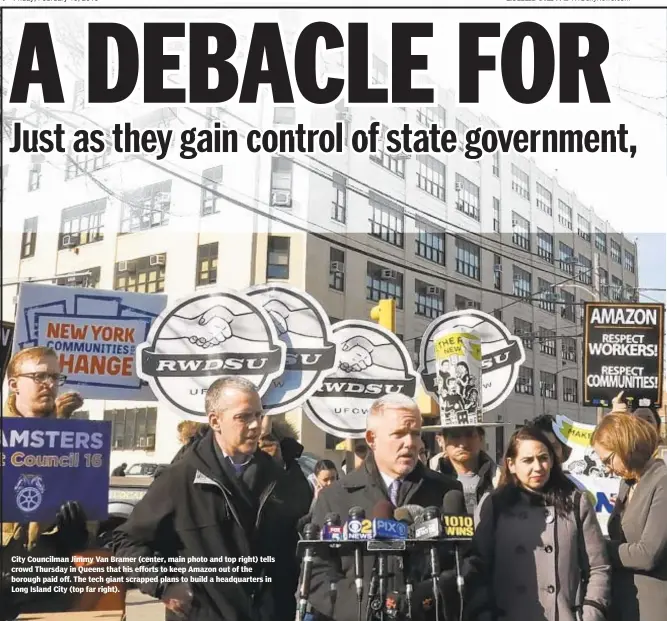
(34,379)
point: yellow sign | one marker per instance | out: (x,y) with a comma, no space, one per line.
(457,344)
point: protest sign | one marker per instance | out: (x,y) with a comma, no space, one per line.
(585,468)
(623,345)
(47,462)
(94,334)
(6,351)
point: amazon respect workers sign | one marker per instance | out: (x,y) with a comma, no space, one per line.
(585,468)
(95,335)
(47,462)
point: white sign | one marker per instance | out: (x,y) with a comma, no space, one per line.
(95,334)
(502,354)
(303,325)
(204,337)
(372,362)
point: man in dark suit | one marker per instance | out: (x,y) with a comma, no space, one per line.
(392,472)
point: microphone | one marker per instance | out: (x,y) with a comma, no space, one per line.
(383,510)
(333,531)
(458,524)
(354,526)
(407,515)
(311,532)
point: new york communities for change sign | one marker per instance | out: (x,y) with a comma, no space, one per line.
(623,345)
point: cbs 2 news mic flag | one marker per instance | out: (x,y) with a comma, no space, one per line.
(623,350)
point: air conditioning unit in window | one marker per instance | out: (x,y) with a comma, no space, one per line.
(458,186)
(71,240)
(471,304)
(127,266)
(72,278)
(156,259)
(162,197)
(281,198)
(432,290)
(401,156)
(142,442)
(117,444)
(336,267)
(498,268)
(150,442)
(388,274)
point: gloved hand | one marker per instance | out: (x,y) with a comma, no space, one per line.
(72,529)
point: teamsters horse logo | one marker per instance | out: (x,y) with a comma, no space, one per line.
(206,337)
(29,490)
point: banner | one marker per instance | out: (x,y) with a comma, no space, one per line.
(6,351)
(585,468)
(47,462)
(95,333)
(623,345)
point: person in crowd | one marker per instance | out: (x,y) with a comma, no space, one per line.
(545,423)
(542,549)
(465,460)
(653,418)
(423,453)
(223,498)
(433,461)
(34,379)
(392,474)
(637,526)
(325,474)
(360,453)
(188,437)
(119,471)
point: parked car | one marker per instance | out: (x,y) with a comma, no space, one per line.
(142,470)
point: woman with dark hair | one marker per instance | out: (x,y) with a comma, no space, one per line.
(541,546)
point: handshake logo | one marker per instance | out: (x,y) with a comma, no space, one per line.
(203,338)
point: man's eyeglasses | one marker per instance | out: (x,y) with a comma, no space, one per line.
(606,462)
(43,378)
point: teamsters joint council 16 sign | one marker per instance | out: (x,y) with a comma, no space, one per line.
(623,345)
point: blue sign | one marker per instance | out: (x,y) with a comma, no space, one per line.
(47,462)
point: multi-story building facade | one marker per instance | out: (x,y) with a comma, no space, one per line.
(438,232)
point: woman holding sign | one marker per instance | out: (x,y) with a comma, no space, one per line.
(542,548)
(638,524)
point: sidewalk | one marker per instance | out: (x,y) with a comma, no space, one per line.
(140,607)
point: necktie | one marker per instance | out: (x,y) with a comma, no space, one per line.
(393,491)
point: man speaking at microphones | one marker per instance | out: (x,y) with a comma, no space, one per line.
(393,476)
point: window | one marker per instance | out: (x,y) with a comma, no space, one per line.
(565,215)
(82,224)
(429,116)
(545,246)
(522,283)
(430,242)
(544,200)
(467,258)
(629,262)
(339,203)
(548,385)
(277,257)
(144,275)
(630,294)
(570,390)
(616,289)
(330,442)
(207,264)
(498,314)
(569,349)
(520,182)
(29,238)
(386,220)
(392,162)
(467,197)
(34,177)
(566,258)
(461,131)
(431,175)
(583,228)
(524,330)
(567,309)
(281,182)
(600,240)
(463,303)
(547,342)
(496,215)
(429,300)
(497,272)
(546,296)
(521,231)
(211,179)
(78,164)
(132,429)
(524,383)
(284,115)
(604,282)
(383,283)
(89,277)
(336,269)
(380,71)
(615,251)
(496,164)
(417,345)
(585,270)
(146,208)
